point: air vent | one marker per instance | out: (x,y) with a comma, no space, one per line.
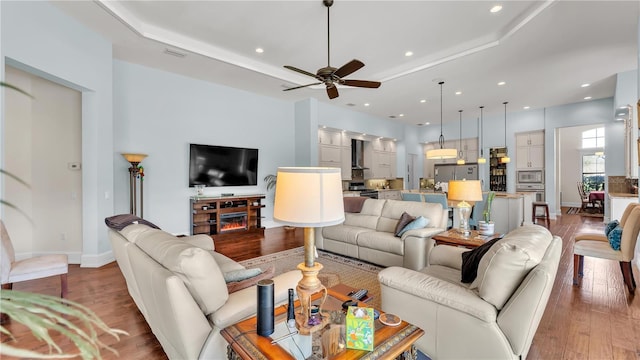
(174,53)
(392,116)
(351,104)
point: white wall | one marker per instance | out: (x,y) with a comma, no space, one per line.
(40,39)
(42,134)
(160,114)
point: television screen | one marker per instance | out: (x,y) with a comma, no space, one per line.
(222,166)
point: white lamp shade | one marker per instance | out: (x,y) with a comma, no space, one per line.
(442,154)
(464,190)
(308,197)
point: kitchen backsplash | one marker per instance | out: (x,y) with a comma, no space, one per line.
(622,184)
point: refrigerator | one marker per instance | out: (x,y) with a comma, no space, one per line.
(446,172)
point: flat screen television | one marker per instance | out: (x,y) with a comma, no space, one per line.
(211,165)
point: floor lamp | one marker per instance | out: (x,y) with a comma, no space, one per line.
(135,174)
(309,198)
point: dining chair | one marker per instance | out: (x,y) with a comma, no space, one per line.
(584,197)
(597,245)
(440,198)
(412,196)
(12,271)
(477,211)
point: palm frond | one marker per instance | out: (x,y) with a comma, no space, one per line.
(4,84)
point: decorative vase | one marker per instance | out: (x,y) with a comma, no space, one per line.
(486,228)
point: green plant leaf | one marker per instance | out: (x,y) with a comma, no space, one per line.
(4,84)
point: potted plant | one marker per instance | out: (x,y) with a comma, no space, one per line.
(486,226)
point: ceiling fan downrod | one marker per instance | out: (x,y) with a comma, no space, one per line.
(328,4)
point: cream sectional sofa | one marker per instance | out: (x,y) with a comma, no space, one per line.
(369,234)
(178,285)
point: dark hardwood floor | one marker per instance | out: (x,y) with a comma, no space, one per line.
(598,320)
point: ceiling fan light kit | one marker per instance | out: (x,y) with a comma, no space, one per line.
(441,153)
(330,76)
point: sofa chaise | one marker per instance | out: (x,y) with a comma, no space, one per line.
(369,234)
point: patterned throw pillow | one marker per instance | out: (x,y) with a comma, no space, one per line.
(419,223)
(402,222)
(610,226)
(614,237)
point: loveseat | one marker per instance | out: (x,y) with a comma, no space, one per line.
(369,234)
(179,287)
(496,315)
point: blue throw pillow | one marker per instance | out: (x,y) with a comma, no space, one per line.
(610,226)
(419,223)
(614,237)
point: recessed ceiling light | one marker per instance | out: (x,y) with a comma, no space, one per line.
(585,85)
(366,104)
(423,100)
(526,107)
(408,53)
(324,126)
(458,92)
(496,8)
(427,123)
(394,139)
(364,134)
(587,97)
(259,50)
(401,115)
(501,83)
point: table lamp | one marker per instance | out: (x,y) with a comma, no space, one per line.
(308,197)
(463,191)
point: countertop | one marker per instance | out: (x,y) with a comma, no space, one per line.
(622,195)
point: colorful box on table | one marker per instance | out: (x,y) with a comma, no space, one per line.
(359,328)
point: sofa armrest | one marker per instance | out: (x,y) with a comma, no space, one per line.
(446,255)
(422,233)
(591,236)
(417,246)
(242,303)
(437,291)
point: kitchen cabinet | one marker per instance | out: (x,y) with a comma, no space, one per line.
(507,212)
(380,158)
(334,150)
(389,194)
(530,150)
(617,205)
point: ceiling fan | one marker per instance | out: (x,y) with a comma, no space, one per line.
(331,76)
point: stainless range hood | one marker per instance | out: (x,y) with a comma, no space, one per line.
(357,154)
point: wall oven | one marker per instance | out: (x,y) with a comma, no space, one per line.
(530,177)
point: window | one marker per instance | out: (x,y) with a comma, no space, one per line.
(593,172)
(593,138)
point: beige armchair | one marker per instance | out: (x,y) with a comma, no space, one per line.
(12,271)
(494,317)
(597,245)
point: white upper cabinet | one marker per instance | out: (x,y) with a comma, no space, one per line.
(530,150)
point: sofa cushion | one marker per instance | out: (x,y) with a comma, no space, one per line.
(405,219)
(393,210)
(195,266)
(382,241)
(508,261)
(344,233)
(133,231)
(419,223)
(368,216)
(224,263)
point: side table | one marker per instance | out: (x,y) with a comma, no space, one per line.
(454,238)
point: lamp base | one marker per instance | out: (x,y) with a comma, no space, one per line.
(309,285)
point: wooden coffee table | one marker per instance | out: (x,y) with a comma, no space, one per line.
(389,341)
(454,238)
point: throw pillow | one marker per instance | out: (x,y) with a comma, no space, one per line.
(610,226)
(239,275)
(614,237)
(239,285)
(419,223)
(471,259)
(404,220)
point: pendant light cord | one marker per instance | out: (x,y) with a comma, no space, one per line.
(460,139)
(441,139)
(481,131)
(505,127)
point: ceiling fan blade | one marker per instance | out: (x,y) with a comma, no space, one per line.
(361,83)
(302,71)
(348,68)
(332,91)
(301,86)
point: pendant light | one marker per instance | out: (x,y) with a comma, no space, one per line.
(460,159)
(441,153)
(481,159)
(505,159)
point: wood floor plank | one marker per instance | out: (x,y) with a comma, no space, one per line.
(597,320)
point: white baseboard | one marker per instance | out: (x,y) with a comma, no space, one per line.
(571,204)
(95,261)
(73,256)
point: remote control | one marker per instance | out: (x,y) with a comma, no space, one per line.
(360,294)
